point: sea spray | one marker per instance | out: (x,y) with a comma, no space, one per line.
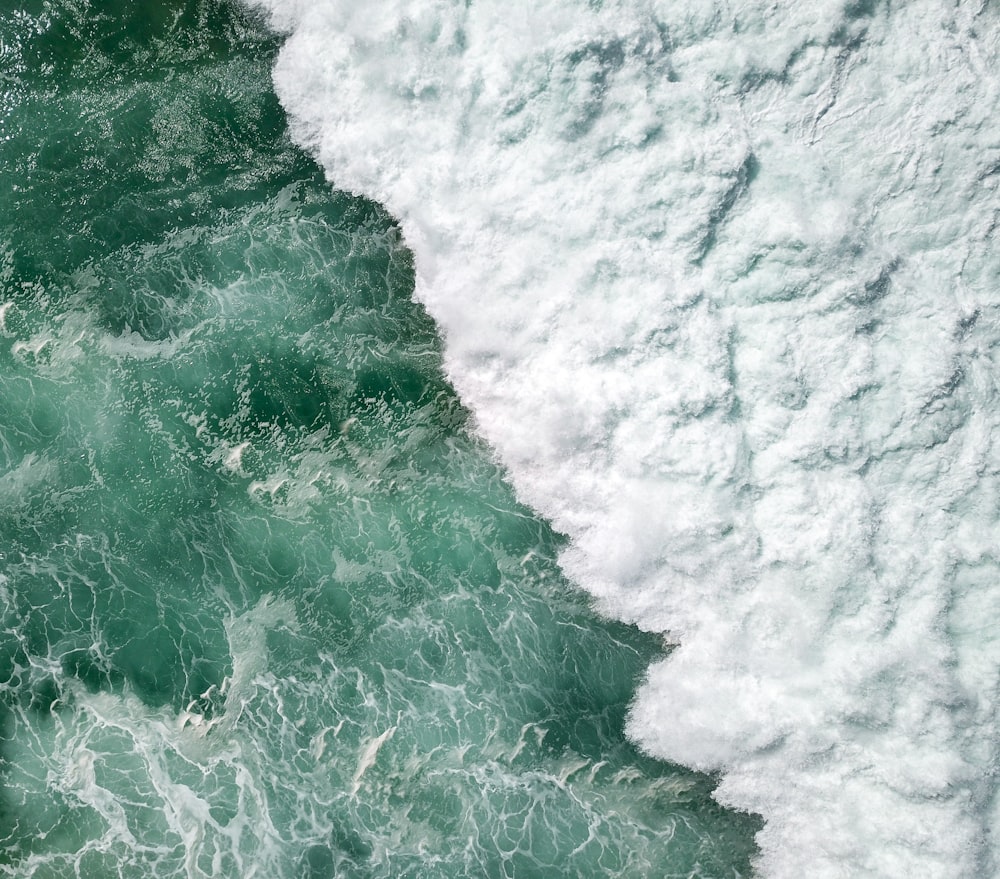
(719,285)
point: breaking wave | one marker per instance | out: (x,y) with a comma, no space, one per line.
(719,284)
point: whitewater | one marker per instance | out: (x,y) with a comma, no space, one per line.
(719,282)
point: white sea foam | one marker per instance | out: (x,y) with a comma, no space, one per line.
(146,787)
(719,282)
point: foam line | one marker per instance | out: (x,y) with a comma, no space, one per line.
(718,282)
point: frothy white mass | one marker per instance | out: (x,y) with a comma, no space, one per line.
(720,283)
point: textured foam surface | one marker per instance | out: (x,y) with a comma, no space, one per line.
(719,283)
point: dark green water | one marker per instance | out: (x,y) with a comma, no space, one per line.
(267,608)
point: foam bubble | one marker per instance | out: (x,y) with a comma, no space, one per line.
(717,282)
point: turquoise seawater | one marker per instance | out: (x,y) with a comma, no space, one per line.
(267,605)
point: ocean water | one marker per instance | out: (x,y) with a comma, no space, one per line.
(719,283)
(321,435)
(268,604)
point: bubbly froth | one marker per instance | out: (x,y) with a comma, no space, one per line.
(718,284)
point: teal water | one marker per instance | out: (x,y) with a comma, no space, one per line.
(267,606)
